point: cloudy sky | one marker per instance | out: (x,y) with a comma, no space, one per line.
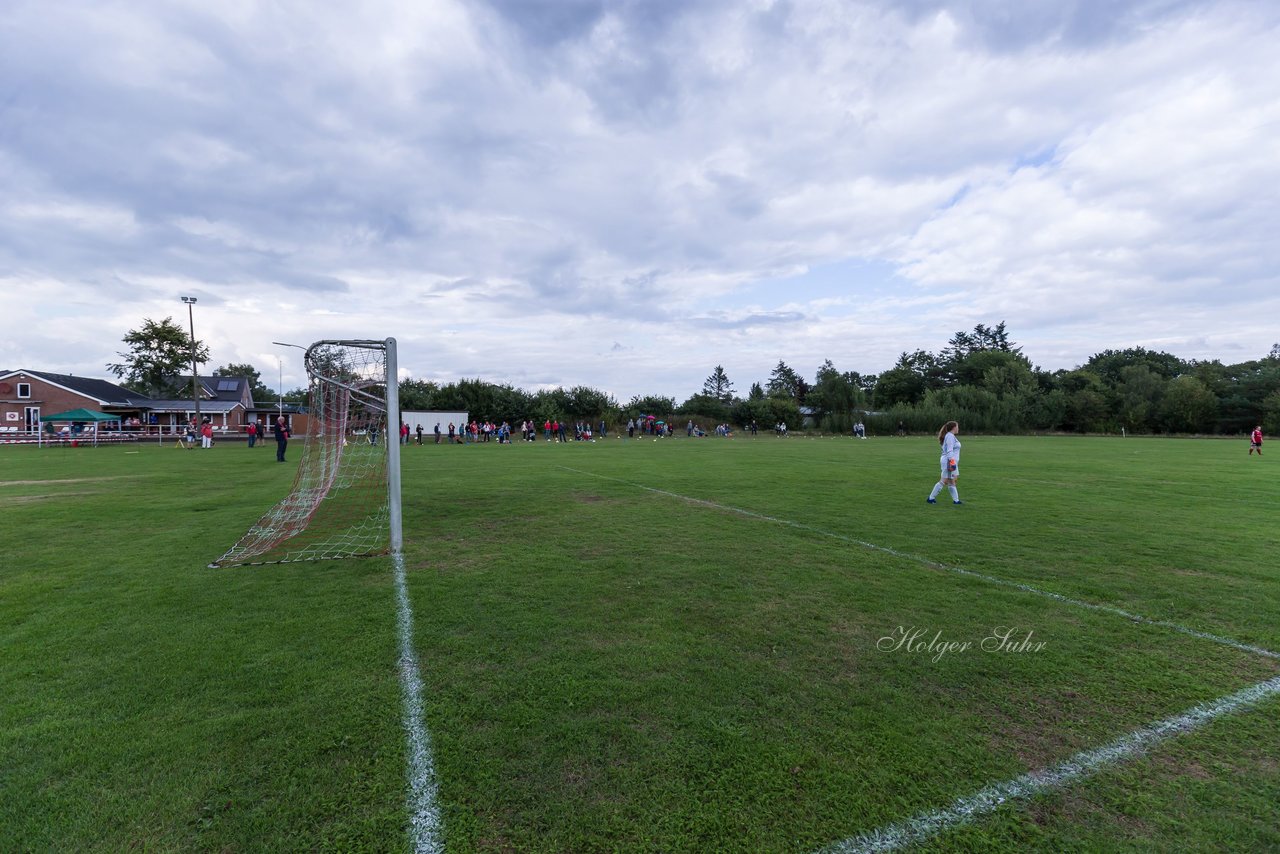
(626,194)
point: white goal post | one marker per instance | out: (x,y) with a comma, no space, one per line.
(345,499)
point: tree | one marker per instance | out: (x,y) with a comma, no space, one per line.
(718,386)
(898,385)
(417,394)
(834,397)
(785,382)
(159,355)
(651,404)
(1189,406)
(1139,391)
(910,377)
(767,411)
(1271,412)
(590,403)
(1109,363)
(973,368)
(1086,406)
(706,406)
(257,390)
(964,346)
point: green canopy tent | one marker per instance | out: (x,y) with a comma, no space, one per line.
(80,415)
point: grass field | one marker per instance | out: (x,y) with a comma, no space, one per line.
(649,646)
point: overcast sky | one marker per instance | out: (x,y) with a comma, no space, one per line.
(626,194)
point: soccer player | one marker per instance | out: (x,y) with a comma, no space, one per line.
(1255,441)
(950,461)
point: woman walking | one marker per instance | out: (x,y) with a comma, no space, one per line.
(950,461)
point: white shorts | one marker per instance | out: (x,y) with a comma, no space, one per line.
(948,472)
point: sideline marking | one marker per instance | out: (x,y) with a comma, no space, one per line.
(1083,764)
(1077,767)
(924,561)
(424,810)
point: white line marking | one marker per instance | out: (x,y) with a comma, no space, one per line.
(1026,588)
(424,810)
(1077,767)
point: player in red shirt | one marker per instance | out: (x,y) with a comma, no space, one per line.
(1255,441)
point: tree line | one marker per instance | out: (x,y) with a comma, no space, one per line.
(980,378)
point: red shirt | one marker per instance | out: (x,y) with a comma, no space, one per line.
(1257,437)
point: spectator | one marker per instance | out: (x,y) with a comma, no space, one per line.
(282,438)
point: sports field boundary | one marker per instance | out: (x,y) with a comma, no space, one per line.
(925,826)
(1079,766)
(425,828)
(958,570)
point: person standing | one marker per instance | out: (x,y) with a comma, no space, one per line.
(1255,441)
(437,432)
(282,438)
(206,434)
(419,431)
(950,462)
(252,430)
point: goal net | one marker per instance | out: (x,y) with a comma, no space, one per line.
(345,500)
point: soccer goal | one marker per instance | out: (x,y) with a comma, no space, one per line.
(345,500)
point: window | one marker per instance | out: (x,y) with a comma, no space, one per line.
(24,389)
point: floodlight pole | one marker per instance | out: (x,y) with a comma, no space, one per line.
(280,364)
(195,378)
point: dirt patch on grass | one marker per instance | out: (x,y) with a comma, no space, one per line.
(1070,809)
(65,480)
(31,499)
(1042,733)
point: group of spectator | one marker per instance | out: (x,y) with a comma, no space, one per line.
(553,430)
(692,430)
(647,425)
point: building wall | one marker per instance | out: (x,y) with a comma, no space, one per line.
(48,398)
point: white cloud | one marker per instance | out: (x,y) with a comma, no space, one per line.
(551,198)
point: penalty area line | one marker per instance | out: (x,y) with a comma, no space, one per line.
(927,825)
(933,564)
(1077,767)
(424,809)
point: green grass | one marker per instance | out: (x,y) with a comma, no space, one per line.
(611,668)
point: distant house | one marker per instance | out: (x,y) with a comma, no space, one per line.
(25,395)
(225,401)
